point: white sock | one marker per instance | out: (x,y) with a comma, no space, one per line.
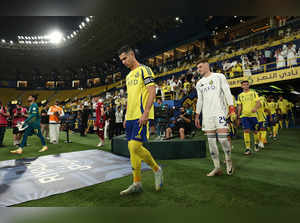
(213,149)
(138,184)
(225,145)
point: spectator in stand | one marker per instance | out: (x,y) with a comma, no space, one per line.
(166,91)
(4,114)
(291,55)
(280,61)
(119,121)
(173,85)
(186,87)
(246,65)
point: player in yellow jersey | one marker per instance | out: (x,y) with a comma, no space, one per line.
(262,122)
(283,106)
(141,94)
(248,104)
(290,115)
(273,118)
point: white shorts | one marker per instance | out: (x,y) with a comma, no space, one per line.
(213,123)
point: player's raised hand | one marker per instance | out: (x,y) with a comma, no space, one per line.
(197,123)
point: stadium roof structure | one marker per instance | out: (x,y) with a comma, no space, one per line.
(97,43)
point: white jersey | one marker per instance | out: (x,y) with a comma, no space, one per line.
(214,96)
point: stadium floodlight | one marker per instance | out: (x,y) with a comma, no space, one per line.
(55,37)
(80,26)
(154,36)
(29,42)
(68,37)
(87,19)
(295,92)
(11,42)
(177,18)
(83,24)
(3,41)
(277,88)
(72,35)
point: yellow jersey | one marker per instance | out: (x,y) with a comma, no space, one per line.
(166,88)
(283,105)
(234,101)
(261,114)
(248,101)
(137,82)
(272,106)
(186,85)
(290,106)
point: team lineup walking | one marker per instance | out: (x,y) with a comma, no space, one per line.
(152,112)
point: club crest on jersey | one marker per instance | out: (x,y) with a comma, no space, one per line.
(211,86)
(136,74)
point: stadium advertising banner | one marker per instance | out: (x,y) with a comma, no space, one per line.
(273,76)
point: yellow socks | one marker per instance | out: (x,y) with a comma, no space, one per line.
(136,162)
(280,123)
(256,139)
(263,136)
(137,154)
(247,140)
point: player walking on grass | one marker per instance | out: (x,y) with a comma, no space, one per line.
(141,94)
(30,124)
(283,105)
(214,100)
(248,105)
(262,122)
(273,117)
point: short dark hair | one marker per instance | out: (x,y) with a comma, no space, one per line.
(35,96)
(125,49)
(202,60)
(244,81)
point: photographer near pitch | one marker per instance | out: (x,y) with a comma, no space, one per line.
(183,124)
(19,115)
(4,114)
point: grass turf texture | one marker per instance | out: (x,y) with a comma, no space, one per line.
(269,177)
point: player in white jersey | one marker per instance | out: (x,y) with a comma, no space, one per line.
(214,100)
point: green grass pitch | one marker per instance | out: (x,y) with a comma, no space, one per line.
(270,177)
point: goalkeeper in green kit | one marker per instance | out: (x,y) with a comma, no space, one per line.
(30,124)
